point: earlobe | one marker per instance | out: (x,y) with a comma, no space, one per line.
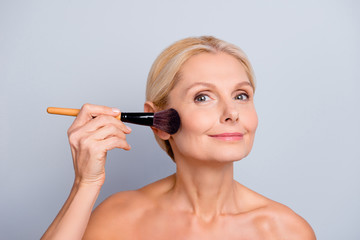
(150,107)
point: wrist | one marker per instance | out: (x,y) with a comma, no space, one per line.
(78,183)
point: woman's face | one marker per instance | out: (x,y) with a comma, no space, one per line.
(214,99)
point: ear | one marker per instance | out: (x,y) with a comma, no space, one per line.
(150,107)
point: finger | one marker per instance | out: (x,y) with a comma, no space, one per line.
(108,131)
(89,111)
(110,124)
(104,120)
(114,142)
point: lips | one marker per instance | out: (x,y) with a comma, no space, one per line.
(228,136)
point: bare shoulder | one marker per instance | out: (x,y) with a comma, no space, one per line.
(113,214)
(288,224)
(277,220)
(117,215)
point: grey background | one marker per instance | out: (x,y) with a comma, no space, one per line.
(66,53)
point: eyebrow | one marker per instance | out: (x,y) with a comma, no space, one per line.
(206,84)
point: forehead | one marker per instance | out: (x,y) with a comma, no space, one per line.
(214,68)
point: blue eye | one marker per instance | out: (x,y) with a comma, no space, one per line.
(201,98)
(242,97)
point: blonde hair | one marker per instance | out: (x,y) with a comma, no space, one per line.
(165,71)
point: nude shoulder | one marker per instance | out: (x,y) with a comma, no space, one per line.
(282,222)
(113,215)
(275,219)
(116,215)
(288,224)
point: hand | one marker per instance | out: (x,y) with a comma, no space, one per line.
(94,132)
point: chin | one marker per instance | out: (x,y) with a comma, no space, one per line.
(227,156)
(221,152)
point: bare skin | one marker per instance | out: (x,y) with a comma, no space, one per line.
(154,211)
(201,200)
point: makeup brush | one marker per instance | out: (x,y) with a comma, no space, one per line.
(166,120)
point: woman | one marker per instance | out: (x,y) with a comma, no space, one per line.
(211,84)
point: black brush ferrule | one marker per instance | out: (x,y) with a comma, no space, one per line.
(146,119)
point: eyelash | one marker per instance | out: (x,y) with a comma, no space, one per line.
(196,99)
(247,96)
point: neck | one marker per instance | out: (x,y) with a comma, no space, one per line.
(205,189)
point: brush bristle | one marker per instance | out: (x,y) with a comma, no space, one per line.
(167,121)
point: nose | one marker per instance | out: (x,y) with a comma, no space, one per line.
(230,113)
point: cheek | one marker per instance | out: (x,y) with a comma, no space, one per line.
(250,121)
(190,138)
(195,122)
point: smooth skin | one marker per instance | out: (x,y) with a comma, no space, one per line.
(201,200)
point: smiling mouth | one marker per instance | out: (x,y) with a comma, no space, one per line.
(228,136)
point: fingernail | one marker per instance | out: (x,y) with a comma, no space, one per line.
(115,110)
(128,128)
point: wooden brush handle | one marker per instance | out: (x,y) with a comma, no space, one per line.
(66,111)
(63,111)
